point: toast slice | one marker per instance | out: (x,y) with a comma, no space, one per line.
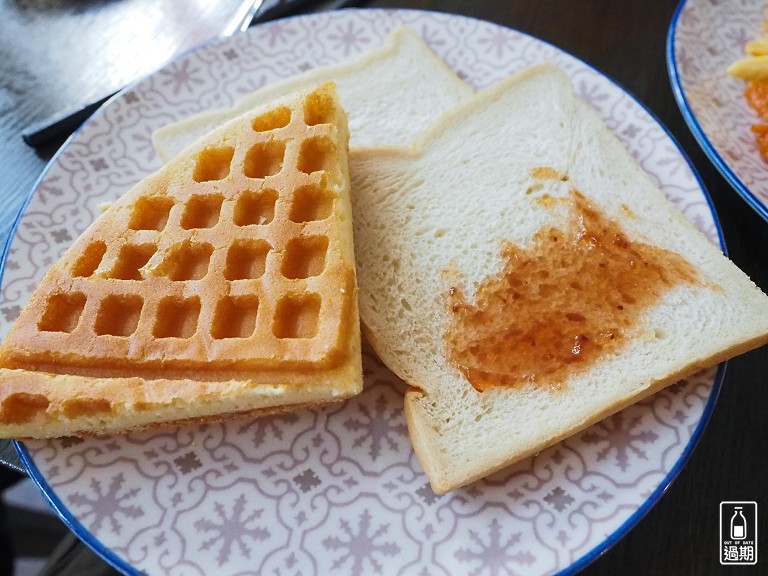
(525,277)
(222,284)
(390,94)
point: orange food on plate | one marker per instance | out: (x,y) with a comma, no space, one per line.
(756,94)
(761,138)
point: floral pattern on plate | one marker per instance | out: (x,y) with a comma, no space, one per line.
(706,37)
(339,489)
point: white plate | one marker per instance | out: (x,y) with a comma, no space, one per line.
(339,490)
(704,38)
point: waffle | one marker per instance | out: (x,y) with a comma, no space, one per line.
(224,283)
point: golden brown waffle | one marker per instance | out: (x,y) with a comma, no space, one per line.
(233,266)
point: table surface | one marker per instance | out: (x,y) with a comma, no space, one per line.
(626,41)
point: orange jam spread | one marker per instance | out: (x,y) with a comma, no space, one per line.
(557,307)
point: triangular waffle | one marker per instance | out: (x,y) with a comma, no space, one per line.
(224,283)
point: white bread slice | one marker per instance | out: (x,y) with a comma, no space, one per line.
(390,93)
(437,216)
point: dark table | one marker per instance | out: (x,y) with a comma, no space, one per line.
(626,41)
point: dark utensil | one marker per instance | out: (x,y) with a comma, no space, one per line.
(62,125)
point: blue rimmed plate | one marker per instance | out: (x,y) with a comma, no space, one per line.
(704,38)
(339,490)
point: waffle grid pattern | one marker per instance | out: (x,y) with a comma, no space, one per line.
(231,259)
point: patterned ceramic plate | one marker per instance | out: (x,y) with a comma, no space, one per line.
(339,490)
(705,37)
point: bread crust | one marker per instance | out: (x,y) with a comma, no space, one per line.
(374,87)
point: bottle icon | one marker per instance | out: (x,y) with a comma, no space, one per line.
(738,525)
